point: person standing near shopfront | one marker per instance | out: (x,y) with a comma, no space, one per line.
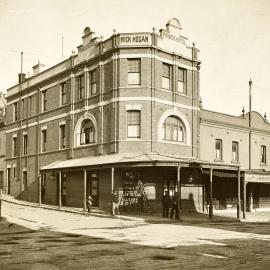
(174,207)
(89,204)
(115,203)
(166,203)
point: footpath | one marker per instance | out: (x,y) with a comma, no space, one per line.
(186,217)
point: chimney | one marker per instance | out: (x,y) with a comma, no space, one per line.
(38,68)
(21,77)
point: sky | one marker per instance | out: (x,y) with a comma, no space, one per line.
(233,38)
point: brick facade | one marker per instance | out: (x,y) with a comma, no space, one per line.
(105,99)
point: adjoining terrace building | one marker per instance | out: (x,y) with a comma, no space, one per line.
(121,111)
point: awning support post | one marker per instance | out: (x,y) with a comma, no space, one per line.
(238,194)
(84,190)
(39,188)
(244,198)
(179,206)
(112,187)
(60,190)
(210,195)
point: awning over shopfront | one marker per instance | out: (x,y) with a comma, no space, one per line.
(133,159)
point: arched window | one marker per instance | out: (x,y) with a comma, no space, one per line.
(87,133)
(173,129)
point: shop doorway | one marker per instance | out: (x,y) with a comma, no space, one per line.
(93,187)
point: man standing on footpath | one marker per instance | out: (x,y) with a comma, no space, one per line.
(115,203)
(166,204)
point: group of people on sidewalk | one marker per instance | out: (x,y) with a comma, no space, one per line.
(115,203)
(170,206)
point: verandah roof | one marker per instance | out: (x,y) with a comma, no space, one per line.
(122,159)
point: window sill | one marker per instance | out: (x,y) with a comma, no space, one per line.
(174,142)
(181,94)
(218,160)
(133,85)
(263,164)
(133,139)
(84,145)
(235,161)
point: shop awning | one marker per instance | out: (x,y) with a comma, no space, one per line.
(145,159)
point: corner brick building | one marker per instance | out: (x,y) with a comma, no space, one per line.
(121,111)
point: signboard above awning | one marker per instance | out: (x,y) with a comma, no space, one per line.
(257,178)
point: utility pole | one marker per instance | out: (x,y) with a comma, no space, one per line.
(249,121)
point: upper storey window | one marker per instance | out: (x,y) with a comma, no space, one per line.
(166,76)
(235,151)
(218,147)
(134,71)
(44,101)
(173,129)
(133,124)
(263,154)
(181,81)
(93,82)
(87,133)
(15,111)
(63,93)
(81,86)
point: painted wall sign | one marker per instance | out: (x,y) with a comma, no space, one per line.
(175,38)
(257,178)
(134,39)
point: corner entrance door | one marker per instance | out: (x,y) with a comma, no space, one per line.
(93,188)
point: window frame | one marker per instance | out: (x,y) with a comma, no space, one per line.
(25,144)
(263,154)
(129,125)
(44,100)
(15,112)
(91,133)
(220,156)
(130,72)
(169,128)
(43,140)
(236,157)
(81,86)
(29,109)
(169,78)
(93,81)
(23,107)
(63,93)
(14,146)
(183,81)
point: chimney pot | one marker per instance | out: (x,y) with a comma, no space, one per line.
(21,77)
